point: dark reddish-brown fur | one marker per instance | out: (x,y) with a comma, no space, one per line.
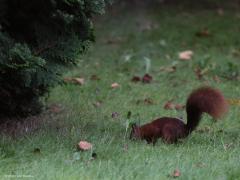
(204,99)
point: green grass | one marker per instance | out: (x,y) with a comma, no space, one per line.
(211,154)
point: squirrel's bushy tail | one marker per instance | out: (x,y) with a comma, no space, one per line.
(204,99)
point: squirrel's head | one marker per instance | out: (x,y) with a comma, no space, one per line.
(135,132)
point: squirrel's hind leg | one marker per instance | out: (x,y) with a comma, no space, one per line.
(154,141)
(151,140)
(169,135)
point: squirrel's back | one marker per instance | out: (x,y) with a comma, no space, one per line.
(169,129)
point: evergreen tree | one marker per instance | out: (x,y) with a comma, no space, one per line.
(38,40)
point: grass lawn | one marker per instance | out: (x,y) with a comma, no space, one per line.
(132,42)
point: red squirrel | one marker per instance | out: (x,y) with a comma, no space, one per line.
(204,99)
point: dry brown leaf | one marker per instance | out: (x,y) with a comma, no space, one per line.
(169,105)
(186,55)
(55,108)
(148,101)
(147,78)
(176,173)
(169,69)
(179,106)
(136,79)
(94,78)
(203,33)
(67,79)
(220,12)
(84,145)
(97,103)
(115,114)
(79,81)
(115,85)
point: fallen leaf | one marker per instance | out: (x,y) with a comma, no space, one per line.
(55,108)
(67,79)
(115,114)
(147,78)
(94,78)
(79,81)
(176,173)
(169,105)
(203,33)
(220,12)
(84,145)
(136,79)
(179,106)
(115,85)
(97,104)
(169,69)
(148,101)
(186,55)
